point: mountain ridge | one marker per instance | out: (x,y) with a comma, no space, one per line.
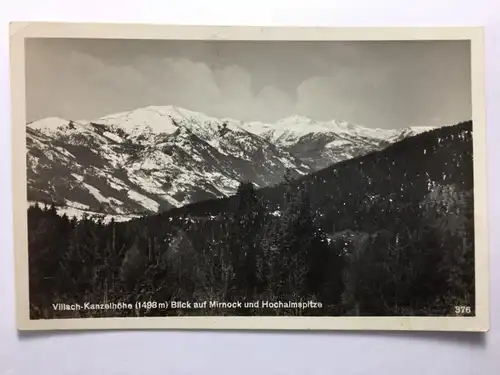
(156,158)
(450,146)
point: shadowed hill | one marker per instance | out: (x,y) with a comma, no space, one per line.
(402,172)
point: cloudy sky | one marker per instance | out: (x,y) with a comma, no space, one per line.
(375,84)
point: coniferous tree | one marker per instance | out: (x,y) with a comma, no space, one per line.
(244,245)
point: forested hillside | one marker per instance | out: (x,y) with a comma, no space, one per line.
(388,233)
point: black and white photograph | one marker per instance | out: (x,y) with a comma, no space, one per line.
(257,178)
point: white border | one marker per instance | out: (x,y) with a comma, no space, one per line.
(21,30)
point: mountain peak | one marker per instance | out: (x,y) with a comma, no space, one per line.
(156,119)
(49,123)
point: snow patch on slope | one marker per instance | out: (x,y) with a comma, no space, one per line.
(96,193)
(113,137)
(337,143)
(146,202)
(79,213)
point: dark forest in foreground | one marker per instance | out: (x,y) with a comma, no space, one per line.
(390,233)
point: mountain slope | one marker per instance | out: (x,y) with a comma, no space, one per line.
(403,173)
(120,166)
(157,158)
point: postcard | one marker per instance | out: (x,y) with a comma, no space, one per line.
(256,178)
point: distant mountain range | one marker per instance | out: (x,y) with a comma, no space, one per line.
(157,158)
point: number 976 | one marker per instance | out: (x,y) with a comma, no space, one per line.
(463,310)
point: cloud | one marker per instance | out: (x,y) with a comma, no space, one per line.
(373,84)
(317,93)
(85,87)
(274,102)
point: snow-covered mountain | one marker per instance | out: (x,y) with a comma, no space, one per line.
(319,144)
(155,158)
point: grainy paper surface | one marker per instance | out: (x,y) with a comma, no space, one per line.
(182,201)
